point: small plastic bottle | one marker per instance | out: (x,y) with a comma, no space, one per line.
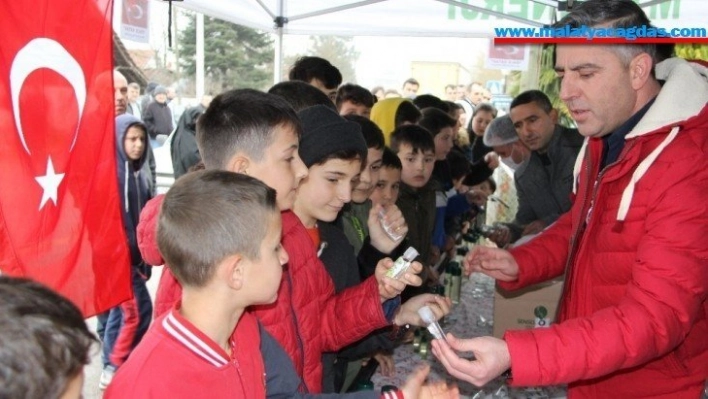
(426,314)
(400,267)
(390,232)
(456,284)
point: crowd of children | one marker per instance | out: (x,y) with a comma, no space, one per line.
(277,255)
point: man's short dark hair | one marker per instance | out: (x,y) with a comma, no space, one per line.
(308,68)
(616,14)
(44,340)
(390,160)
(241,120)
(533,96)
(419,138)
(411,81)
(372,133)
(355,94)
(429,100)
(301,95)
(436,120)
(406,112)
(209,215)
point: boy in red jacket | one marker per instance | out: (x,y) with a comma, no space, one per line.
(209,345)
(253,133)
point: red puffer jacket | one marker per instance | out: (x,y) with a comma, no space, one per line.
(634,315)
(307,318)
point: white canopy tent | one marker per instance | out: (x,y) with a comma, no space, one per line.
(429,18)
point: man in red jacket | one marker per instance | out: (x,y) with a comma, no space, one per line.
(633,318)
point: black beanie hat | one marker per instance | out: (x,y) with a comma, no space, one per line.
(324,132)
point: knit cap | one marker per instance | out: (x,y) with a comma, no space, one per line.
(500,131)
(159,90)
(324,132)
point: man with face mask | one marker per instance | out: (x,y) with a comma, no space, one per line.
(501,136)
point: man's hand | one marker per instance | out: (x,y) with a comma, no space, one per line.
(491,358)
(393,218)
(414,388)
(389,287)
(501,235)
(494,262)
(534,227)
(408,313)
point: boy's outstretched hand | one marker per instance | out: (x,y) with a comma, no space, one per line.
(491,358)
(414,388)
(408,313)
(390,287)
(393,218)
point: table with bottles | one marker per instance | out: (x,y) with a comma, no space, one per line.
(470,317)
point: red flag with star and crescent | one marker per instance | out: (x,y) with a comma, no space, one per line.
(60,221)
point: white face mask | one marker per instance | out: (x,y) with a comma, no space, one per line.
(509,161)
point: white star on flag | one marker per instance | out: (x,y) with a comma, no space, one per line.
(50,184)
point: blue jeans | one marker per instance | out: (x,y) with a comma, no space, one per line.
(127,323)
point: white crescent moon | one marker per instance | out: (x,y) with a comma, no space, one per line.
(45,53)
(134,14)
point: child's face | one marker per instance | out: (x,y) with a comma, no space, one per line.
(349,108)
(134,143)
(386,190)
(417,166)
(280,167)
(368,177)
(325,190)
(484,187)
(480,122)
(443,143)
(262,275)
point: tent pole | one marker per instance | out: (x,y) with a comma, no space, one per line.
(278,61)
(200,56)
(280,22)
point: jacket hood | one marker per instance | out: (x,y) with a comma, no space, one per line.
(683,96)
(383,114)
(123,122)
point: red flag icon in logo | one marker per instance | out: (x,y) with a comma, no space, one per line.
(60,220)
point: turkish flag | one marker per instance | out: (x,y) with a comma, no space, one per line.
(60,220)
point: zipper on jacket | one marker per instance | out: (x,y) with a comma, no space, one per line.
(303,386)
(585,216)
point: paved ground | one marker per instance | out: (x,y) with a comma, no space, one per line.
(92,372)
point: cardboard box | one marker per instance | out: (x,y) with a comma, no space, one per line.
(532,307)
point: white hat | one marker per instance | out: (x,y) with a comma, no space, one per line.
(500,131)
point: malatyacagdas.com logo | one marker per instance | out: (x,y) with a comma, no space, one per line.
(600,35)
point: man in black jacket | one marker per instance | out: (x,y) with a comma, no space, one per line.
(158,117)
(544,182)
